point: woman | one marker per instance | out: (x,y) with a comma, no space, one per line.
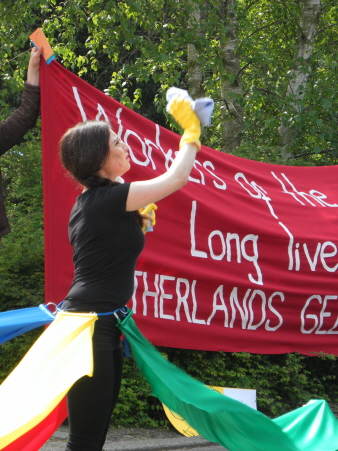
(18,124)
(105,232)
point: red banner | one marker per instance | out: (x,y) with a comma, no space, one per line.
(244,258)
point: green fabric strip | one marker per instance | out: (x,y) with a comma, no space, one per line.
(226,421)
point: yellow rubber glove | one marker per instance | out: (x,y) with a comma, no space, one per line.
(149,210)
(181,110)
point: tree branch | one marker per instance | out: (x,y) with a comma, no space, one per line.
(232,111)
(309,154)
(325,28)
(265,26)
(269,92)
(250,5)
(242,69)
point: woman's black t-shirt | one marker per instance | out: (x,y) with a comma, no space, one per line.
(107,241)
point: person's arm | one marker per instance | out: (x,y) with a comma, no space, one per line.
(25,117)
(148,191)
(33,72)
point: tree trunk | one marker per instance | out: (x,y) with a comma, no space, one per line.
(308,26)
(195,72)
(231,86)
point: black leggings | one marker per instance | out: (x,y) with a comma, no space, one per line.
(91,401)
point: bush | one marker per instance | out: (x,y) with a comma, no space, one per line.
(137,407)
(21,252)
(14,350)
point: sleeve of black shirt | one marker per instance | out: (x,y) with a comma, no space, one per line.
(22,120)
(113,199)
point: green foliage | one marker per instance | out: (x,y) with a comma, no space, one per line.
(268,36)
(14,350)
(137,407)
(135,50)
(272,154)
(21,252)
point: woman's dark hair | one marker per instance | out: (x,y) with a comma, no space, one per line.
(83,150)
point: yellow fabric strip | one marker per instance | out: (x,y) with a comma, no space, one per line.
(61,355)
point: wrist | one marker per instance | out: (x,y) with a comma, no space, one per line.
(188,141)
(33,79)
(31,85)
(192,136)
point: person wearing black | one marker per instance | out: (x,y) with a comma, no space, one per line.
(18,124)
(106,236)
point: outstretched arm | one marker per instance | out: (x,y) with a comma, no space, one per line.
(24,118)
(148,191)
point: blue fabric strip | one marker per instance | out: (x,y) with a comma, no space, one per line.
(18,322)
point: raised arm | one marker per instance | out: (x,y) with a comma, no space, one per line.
(148,191)
(24,118)
(33,72)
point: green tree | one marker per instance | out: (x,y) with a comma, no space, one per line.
(21,252)
(298,75)
(273,47)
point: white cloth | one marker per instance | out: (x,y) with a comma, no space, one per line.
(203,107)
